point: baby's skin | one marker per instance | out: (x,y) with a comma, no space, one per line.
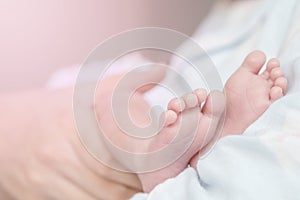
(246,96)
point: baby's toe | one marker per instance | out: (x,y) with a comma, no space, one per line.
(177,105)
(190,100)
(201,95)
(272,63)
(254,62)
(276,93)
(270,82)
(282,82)
(276,73)
(265,75)
(169,117)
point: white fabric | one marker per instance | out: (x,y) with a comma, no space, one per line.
(264,163)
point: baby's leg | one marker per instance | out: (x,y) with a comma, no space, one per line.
(180,121)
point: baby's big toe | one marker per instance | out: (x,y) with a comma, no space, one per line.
(254,61)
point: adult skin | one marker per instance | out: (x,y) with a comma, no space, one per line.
(42,157)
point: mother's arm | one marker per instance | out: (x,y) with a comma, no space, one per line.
(42,158)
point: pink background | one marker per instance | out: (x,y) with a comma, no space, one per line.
(39,36)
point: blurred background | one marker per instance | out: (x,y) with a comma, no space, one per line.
(38,37)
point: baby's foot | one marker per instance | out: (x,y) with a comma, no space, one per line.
(249,94)
(181,121)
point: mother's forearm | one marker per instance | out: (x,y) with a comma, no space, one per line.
(42,157)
